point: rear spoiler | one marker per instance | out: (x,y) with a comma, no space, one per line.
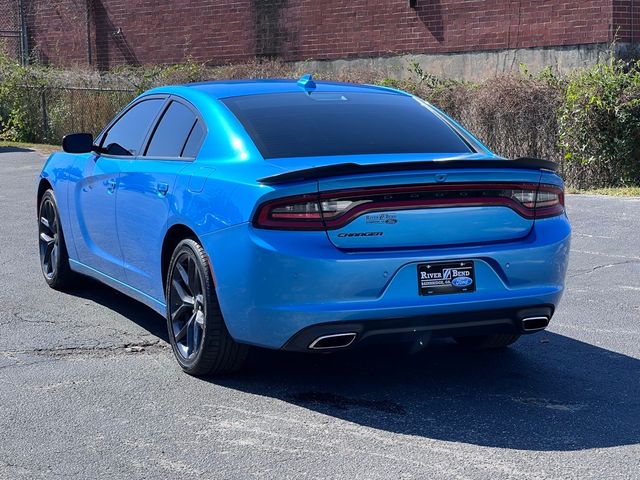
(523,163)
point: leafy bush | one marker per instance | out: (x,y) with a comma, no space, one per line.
(19,106)
(600,126)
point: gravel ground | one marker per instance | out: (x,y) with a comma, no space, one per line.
(89,387)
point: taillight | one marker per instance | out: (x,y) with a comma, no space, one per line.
(333,210)
(549,201)
(296,213)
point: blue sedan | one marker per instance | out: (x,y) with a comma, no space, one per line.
(305,216)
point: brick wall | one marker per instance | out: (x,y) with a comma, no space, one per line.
(56,31)
(625,20)
(221,31)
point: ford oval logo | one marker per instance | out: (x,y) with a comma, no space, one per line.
(462,281)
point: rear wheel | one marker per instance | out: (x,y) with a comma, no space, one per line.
(54,259)
(199,337)
(488,341)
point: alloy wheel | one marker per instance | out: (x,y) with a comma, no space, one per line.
(187,306)
(49,238)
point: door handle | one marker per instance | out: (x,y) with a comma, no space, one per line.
(111,185)
(162,189)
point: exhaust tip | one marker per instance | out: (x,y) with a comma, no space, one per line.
(337,340)
(533,324)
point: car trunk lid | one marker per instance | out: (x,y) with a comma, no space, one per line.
(415,204)
(426,209)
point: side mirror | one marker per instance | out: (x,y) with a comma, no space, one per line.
(77,143)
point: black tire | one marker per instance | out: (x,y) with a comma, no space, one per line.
(199,337)
(488,341)
(54,259)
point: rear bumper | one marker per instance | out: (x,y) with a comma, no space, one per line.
(421,328)
(273,285)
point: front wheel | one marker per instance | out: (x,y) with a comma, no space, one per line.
(199,337)
(488,341)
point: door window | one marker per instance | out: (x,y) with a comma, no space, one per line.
(172,132)
(125,137)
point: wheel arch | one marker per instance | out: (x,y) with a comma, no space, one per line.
(175,234)
(43,186)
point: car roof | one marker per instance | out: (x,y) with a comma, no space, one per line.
(237,88)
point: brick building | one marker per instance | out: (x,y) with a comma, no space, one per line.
(456,37)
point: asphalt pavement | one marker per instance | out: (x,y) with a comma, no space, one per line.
(90,389)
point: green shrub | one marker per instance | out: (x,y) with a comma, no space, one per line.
(19,120)
(600,126)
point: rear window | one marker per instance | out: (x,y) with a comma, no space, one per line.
(298,124)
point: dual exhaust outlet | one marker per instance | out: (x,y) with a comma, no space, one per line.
(533,324)
(343,340)
(337,340)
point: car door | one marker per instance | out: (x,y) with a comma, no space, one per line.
(96,190)
(145,193)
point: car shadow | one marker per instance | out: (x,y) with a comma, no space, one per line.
(135,311)
(548,392)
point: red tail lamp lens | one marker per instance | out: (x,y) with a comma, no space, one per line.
(333,210)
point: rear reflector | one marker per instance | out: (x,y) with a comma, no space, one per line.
(332,210)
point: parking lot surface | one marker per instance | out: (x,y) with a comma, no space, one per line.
(90,389)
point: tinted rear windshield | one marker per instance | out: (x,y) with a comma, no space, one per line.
(298,124)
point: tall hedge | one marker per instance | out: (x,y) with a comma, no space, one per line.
(515,116)
(599,125)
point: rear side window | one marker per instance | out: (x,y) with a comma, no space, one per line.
(172,131)
(125,137)
(298,124)
(194,141)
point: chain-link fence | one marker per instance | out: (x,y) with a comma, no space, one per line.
(50,112)
(13,35)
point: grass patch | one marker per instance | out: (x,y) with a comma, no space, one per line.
(612,191)
(42,148)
